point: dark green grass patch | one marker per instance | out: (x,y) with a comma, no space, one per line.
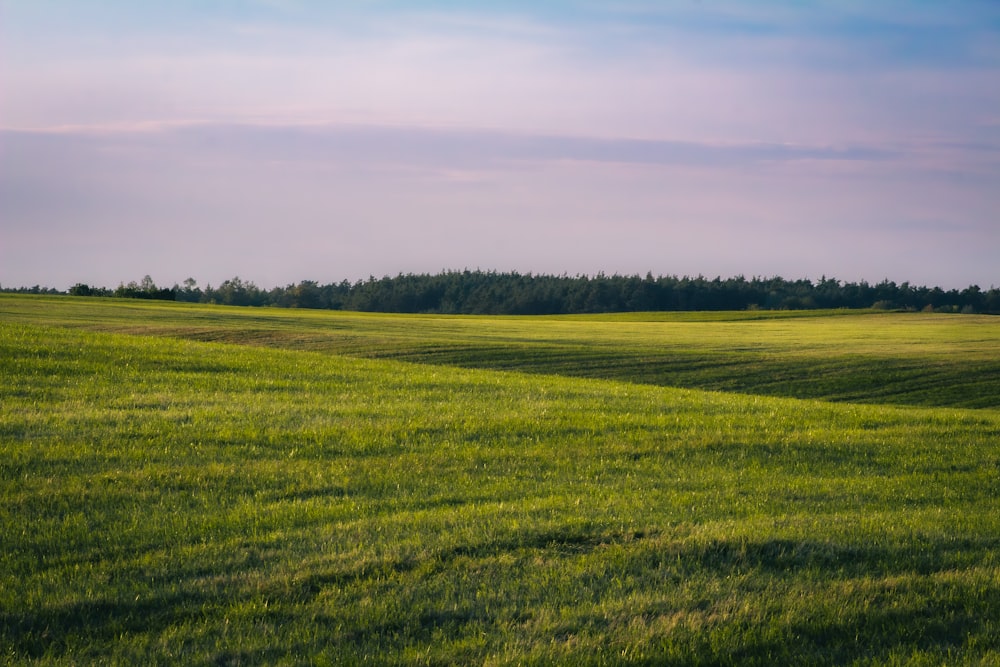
(169,501)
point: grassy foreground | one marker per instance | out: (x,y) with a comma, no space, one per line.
(171,500)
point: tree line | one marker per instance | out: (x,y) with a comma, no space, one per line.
(512,293)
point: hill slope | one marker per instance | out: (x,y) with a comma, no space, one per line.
(169,500)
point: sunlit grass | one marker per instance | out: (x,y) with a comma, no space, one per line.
(169,500)
(857,356)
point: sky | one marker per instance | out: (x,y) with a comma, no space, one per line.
(290,140)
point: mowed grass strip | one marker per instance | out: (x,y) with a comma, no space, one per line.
(846,356)
(173,501)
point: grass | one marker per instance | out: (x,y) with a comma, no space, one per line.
(204,485)
(848,356)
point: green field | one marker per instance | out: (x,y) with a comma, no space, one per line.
(222,486)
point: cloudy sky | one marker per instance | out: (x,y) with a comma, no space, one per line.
(284,140)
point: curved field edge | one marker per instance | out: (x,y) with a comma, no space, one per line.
(845,356)
(172,501)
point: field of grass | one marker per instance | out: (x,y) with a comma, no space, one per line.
(934,360)
(207,485)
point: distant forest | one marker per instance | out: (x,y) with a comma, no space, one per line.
(490,292)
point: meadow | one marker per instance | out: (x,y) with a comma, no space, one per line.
(225,486)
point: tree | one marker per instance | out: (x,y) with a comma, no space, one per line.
(190,292)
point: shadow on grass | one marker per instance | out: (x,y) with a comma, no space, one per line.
(897,381)
(898,603)
(897,606)
(53,630)
(794,557)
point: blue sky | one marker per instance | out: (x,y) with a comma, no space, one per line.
(283,140)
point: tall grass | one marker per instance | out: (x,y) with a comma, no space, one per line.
(168,500)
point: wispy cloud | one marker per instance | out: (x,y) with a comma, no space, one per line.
(773,72)
(373,146)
